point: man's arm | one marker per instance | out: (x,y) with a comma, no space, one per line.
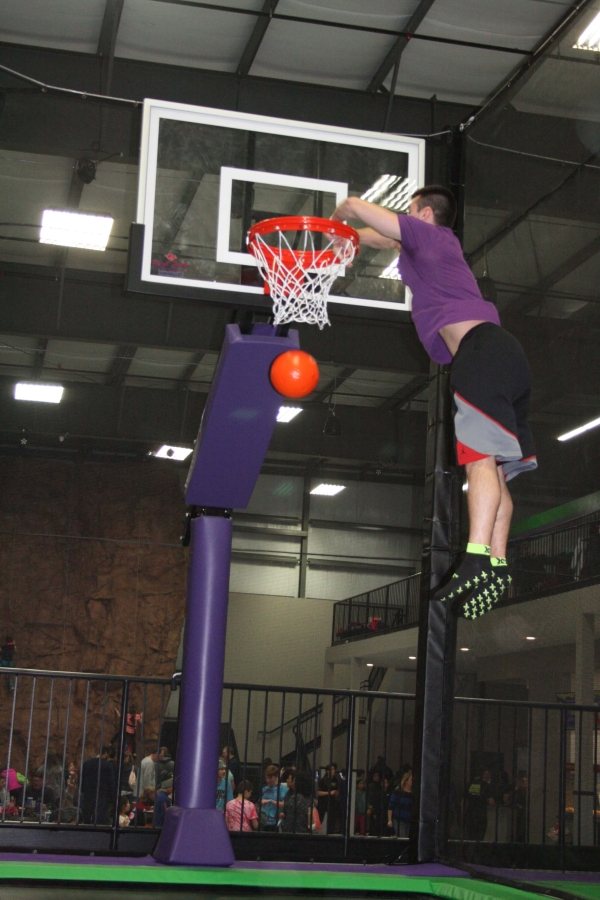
(371,238)
(381,220)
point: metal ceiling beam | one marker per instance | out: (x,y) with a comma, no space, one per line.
(406,393)
(187,375)
(332,385)
(347,26)
(533,297)
(108,39)
(40,355)
(121,364)
(517,80)
(392,57)
(255,40)
(504,230)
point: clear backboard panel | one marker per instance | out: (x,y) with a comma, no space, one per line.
(207,175)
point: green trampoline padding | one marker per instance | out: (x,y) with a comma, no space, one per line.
(582,888)
(448,888)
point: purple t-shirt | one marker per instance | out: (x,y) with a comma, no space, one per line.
(443,287)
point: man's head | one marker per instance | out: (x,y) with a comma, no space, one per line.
(486,775)
(167,786)
(246,789)
(37,782)
(228,753)
(164,753)
(106,751)
(434,204)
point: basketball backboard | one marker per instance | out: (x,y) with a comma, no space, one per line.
(207,175)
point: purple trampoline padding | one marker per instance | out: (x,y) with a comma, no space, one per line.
(429,870)
(238,419)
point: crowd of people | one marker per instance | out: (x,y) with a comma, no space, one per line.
(290,800)
(57,792)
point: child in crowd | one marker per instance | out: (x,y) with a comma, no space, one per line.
(360,807)
(271,801)
(224,791)
(162,802)
(400,807)
(124,810)
(240,814)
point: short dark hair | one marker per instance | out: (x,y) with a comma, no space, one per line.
(442,203)
(245,786)
(303,784)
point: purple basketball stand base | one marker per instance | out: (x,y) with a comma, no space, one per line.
(194,837)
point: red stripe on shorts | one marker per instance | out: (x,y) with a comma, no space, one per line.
(467,454)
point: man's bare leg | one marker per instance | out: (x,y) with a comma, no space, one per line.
(484,499)
(482,577)
(503,519)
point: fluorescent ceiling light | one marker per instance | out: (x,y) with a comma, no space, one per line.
(328,490)
(287,413)
(42,393)
(464,649)
(590,38)
(580,430)
(167,451)
(369,665)
(73,229)
(530,639)
(412,657)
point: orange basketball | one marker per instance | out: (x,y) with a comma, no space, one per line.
(294,373)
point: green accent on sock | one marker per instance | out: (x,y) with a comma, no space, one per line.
(481,549)
(498,560)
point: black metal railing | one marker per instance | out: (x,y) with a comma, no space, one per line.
(555,561)
(524,774)
(388,608)
(544,564)
(70,742)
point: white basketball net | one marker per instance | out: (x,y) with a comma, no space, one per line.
(300,277)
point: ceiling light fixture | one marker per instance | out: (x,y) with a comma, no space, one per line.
(369,665)
(328,490)
(73,229)
(590,38)
(287,413)
(464,649)
(168,451)
(412,657)
(571,434)
(39,392)
(530,639)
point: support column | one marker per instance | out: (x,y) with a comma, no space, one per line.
(583,784)
(194,831)
(437,631)
(437,625)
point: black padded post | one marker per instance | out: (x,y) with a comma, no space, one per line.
(437,625)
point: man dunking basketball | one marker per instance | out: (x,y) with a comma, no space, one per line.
(489,378)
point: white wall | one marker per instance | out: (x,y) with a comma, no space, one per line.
(277,640)
(265,564)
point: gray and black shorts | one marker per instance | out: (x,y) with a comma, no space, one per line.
(490,383)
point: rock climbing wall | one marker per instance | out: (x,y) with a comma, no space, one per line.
(92,580)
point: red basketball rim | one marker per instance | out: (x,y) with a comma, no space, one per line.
(304,223)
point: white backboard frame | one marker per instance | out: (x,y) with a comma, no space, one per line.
(155,110)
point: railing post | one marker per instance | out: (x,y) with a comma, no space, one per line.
(562,789)
(348,825)
(387,604)
(114,837)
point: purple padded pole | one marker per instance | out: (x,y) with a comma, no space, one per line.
(194,832)
(203,662)
(237,424)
